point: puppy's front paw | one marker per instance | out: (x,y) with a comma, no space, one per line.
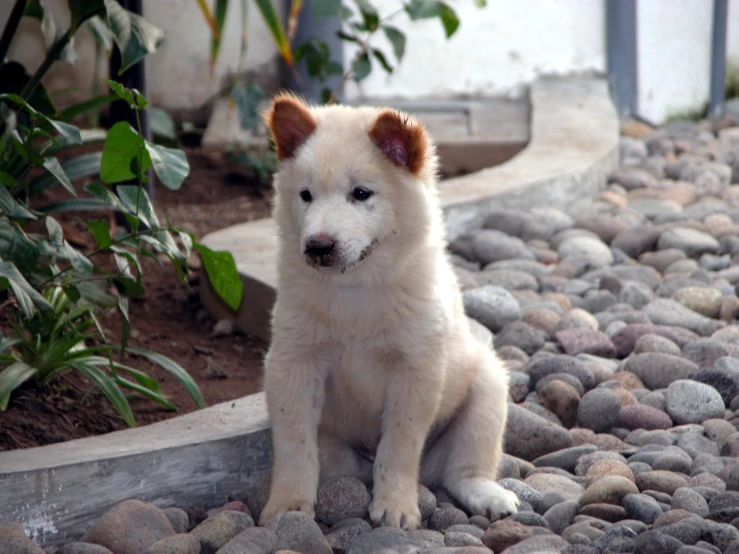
(278,504)
(487,498)
(396,511)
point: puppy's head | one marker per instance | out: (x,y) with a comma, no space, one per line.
(354,184)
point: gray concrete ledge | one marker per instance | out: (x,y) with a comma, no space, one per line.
(57,491)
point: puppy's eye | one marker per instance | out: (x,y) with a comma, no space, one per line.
(305,195)
(361,193)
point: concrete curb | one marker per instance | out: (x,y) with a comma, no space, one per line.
(56,491)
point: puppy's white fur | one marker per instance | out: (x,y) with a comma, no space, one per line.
(371,354)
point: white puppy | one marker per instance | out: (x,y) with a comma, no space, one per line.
(373,371)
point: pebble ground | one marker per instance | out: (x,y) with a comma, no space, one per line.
(618,323)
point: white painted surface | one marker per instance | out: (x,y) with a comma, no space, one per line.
(674,41)
(497,50)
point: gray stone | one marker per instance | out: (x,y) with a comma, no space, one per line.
(625,339)
(563,485)
(566,458)
(642,416)
(664,311)
(217,530)
(460,538)
(705,352)
(522,335)
(703,300)
(426,502)
(182,543)
(130,527)
(657,370)
(628,177)
(538,544)
(525,492)
(723,376)
(637,240)
(489,246)
(156,548)
(381,540)
(442,518)
(691,241)
(689,401)
(13,539)
(687,499)
(641,507)
(341,498)
(588,341)
(540,367)
(341,535)
(492,306)
(655,343)
(598,410)
(510,279)
(298,531)
(560,515)
(255,540)
(587,247)
(636,294)
(178,518)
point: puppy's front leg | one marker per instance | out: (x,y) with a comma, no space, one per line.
(294,386)
(411,401)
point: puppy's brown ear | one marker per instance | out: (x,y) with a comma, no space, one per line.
(404,143)
(291,123)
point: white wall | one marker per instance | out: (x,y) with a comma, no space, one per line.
(497,50)
(674,44)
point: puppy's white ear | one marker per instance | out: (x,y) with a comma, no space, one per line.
(290,122)
(403,142)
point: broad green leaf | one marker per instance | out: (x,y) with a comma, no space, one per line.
(82,10)
(76,205)
(17,248)
(134,35)
(247,100)
(361,67)
(397,40)
(380,57)
(55,169)
(13,78)
(56,234)
(52,29)
(369,14)
(29,155)
(109,389)
(326,9)
(11,207)
(449,19)
(176,370)
(423,9)
(13,377)
(222,274)
(101,32)
(25,294)
(123,149)
(170,164)
(136,201)
(85,165)
(161,124)
(78,261)
(481,3)
(276,29)
(100,191)
(347,37)
(100,229)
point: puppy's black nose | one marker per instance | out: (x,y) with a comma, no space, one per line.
(319,246)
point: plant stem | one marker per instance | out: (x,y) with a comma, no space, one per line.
(51,57)
(139,173)
(362,51)
(10,28)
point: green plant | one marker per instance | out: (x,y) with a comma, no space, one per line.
(50,291)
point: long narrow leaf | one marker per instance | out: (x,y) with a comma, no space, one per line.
(296,6)
(110,389)
(274,24)
(143,391)
(13,377)
(176,370)
(221,9)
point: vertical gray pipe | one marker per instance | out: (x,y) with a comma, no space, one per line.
(718,58)
(324,30)
(621,55)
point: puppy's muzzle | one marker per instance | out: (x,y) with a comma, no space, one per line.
(321,250)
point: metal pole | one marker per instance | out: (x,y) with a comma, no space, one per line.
(718,58)
(324,30)
(134,77)
(621,55)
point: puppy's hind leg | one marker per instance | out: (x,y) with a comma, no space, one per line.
(465,458)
